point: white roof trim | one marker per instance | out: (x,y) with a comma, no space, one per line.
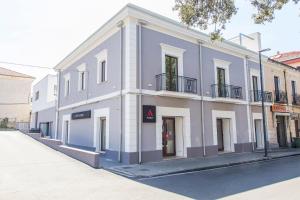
(152,18)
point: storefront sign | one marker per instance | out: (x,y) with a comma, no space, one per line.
(149,114)
(279,108)
(81,115)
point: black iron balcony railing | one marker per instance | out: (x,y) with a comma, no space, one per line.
(226,91)
(280,96)
(256,96)
(296,99)
(176,83)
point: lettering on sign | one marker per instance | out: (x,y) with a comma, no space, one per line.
(81,115)
(279,108)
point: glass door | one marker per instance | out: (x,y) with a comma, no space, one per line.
(221,82)
(255,88)
(171,74)
(276,84)
(168,137)
(102,134)
(220,135)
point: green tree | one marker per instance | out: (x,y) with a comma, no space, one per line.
(217,13)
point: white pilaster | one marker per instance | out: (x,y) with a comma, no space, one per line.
(130,138)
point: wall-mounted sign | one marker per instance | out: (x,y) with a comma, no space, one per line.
(81,115)
(149,114)
(279,108)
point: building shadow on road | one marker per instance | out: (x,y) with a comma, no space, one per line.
(218,183)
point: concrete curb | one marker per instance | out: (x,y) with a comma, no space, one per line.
(133,176)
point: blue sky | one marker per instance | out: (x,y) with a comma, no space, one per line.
(43,32)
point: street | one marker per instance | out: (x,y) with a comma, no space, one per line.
(278,179)
(30,170)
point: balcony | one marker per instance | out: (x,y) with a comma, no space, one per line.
(280,97)
(176,83)
(256,96)
(296,99)
(226,91)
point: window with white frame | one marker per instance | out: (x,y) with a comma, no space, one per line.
(168,51)
(81,77)
(102,66)
(222,65)
(255,85)
(67,84)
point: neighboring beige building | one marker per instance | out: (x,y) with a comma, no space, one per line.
(283,117)
(15,93)
(290,58)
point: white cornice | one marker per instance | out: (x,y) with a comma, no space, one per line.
(152,19)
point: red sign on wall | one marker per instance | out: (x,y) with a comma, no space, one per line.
(149,114)
(279,108)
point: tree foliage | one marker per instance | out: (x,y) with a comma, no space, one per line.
(217,13)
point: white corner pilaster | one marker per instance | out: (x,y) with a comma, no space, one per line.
(130,137)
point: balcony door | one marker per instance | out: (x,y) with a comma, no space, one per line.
(294,91)
(255,87)
(221,81)
(276,85)
(171,73)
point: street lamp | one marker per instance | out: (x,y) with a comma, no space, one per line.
(263,101)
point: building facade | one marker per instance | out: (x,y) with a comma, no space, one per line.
(14,97)
(44,106)
(144,88)
(283,123)
(289,58)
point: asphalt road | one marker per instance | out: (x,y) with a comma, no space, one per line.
(31,171)
(278,179)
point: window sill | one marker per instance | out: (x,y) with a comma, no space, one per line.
(103,82)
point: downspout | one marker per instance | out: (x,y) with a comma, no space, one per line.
(57,104)
(201,93)
(140,91)
(120,25)
(249,114)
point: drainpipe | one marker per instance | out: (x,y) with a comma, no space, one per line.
(57,104)
(201,93)
(249,114)
(120,25)
(140,90)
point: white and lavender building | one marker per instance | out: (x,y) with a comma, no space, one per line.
(144,87)
(44,101)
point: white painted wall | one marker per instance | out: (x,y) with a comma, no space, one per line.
(46,93)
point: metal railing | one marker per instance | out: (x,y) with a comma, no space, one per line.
(280,96)
(176,83)
(256,96)
(226,91)
(296,99)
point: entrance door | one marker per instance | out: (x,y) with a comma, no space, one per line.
(297,128)
(221,82)
(171,73)
(67,132)
(168,137)
(102,134)
(258,133)
(281,131)
(220,135)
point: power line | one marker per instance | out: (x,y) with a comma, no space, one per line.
(27,65)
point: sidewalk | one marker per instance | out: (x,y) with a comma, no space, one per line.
(174,166)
